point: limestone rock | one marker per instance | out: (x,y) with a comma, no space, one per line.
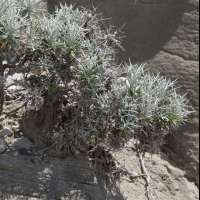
(76,152)
(6,132)
(74,178)
(133,174)
(23,142)
(130,144)
(9,97)
(65,97)
(1,125)
(12,88)
(2,145)
(2,117)
(12,122)
(9,80)
(16,127)
(81,148)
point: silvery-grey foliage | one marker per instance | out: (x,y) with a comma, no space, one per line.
(70,48)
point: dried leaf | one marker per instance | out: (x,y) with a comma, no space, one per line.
(3,44)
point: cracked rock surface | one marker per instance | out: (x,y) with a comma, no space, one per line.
(73,178)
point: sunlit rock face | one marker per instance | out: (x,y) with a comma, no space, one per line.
(165,35)
(73,178)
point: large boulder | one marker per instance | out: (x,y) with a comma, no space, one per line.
(165,34)
(73,178)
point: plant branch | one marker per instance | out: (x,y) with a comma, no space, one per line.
(148,178)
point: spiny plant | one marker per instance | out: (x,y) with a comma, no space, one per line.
(68,57)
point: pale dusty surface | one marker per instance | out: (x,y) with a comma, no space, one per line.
(73,178)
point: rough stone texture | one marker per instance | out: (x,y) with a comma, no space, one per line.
(9,79)
(165,34)
(23,142)
(2,117)
(2,145)
(73,178)
(6,132)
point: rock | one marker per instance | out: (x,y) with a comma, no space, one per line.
(66,103)
(8,102)
(76,152)
(176,186)
(6,132)
(81,148)
(2,117)
(20,94)
(62,86)
(15,128)
(17,131)
(75,178)
(3,145)
(24,94)
(9,97)
(130,144)
(12,122)
(9,79)
(65,97)
(9,140)
(1,125)
(23,142)
(12,88)
(4,62)
(133,174)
